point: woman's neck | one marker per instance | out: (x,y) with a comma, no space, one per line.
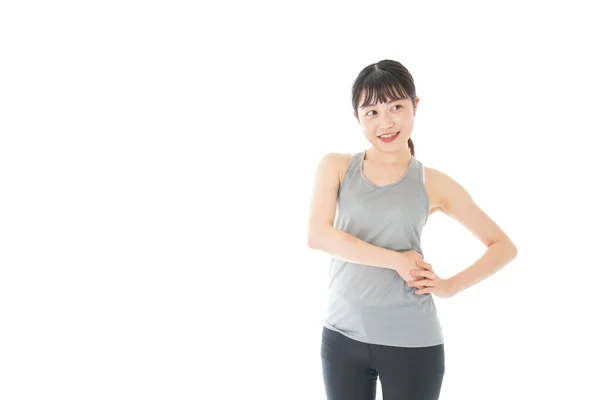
(399,158)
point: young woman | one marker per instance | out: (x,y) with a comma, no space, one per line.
(381,320)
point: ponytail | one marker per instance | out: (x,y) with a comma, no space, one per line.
(411,146)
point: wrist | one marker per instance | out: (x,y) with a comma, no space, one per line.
(404,263)
(453,285)
(403,266)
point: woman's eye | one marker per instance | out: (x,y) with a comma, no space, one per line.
(397,105)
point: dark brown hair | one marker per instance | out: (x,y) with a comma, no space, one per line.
(384,81)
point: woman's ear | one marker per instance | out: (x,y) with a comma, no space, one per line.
(356,116)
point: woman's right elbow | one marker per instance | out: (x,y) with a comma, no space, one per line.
(312,241)
(315,237)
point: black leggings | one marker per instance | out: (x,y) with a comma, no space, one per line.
(351,368)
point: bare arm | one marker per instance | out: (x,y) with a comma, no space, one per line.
(459,205)
(323,236)
(344,246)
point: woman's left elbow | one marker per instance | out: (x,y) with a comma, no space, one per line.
(513,249)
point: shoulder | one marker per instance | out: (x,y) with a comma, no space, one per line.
(444,187)
(443,190)
(336,163)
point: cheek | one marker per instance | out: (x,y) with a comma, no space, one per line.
(368,127)
(372,131)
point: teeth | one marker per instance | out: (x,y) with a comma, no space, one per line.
(389,135)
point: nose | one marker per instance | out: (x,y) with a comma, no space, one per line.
(386,122)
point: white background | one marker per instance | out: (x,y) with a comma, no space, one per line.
(156,168)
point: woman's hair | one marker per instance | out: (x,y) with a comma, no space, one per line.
(384,81)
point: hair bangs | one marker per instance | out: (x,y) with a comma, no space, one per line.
(381,87)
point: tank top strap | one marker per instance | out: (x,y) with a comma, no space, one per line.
(354,168)
(416,171)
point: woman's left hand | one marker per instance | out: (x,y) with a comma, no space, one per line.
(428,281)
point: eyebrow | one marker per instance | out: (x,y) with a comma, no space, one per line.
(373,105)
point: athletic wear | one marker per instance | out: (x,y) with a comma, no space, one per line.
(372,304)
(351,369)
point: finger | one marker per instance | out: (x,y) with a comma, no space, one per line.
(423,264)
(424,291)
(424,273)
(417,272)
(421,283)
(418,283)
(414,274)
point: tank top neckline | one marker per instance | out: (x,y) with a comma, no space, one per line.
(368,182)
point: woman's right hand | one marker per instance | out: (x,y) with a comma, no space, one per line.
(404,268)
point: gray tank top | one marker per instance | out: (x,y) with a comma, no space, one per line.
(373,304)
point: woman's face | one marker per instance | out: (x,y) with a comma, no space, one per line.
(383,118)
